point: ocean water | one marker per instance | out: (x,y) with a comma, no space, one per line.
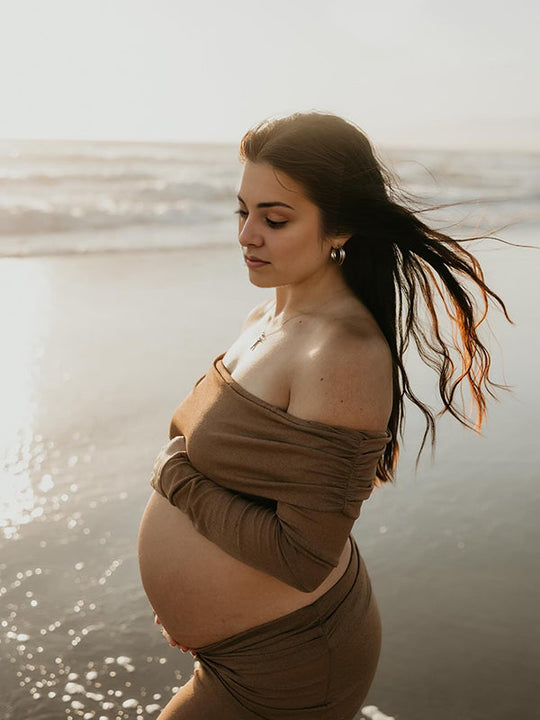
(101,340)
(80,197)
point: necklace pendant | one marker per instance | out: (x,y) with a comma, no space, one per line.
(257,341)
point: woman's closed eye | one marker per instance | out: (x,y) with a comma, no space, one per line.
(272,223)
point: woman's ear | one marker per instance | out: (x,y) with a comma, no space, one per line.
(343,238)
(337,240)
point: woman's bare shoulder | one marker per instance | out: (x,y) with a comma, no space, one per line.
(256,313)
(347,380)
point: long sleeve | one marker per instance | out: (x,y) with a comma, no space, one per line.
(296,544)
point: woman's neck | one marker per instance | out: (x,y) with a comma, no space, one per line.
(309,296)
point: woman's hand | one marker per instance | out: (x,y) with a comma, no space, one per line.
(177,444)
(172,642)
(178,441)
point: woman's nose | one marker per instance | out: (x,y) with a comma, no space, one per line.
(248,234)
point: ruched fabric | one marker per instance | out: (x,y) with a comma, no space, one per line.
(277,492)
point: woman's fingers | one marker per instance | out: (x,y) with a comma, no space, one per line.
(168,638)
(172,642)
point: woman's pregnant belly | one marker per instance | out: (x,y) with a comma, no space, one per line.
(200,593)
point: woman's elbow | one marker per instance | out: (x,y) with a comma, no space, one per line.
(311,578)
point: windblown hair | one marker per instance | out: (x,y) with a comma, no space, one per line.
(392,258)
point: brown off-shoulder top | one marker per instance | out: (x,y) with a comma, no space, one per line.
(278,492)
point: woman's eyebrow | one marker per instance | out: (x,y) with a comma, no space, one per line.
(268,204)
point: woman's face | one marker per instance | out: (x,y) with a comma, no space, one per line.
(279,225)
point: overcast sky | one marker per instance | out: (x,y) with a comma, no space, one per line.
(408,72)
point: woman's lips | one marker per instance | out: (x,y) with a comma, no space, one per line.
(255,263)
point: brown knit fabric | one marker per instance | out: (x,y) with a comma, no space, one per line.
(277,492)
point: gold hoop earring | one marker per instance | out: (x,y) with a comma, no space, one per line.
(334,255)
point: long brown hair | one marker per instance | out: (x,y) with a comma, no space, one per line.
(392,258)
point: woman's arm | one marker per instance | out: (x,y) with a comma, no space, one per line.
(297,545)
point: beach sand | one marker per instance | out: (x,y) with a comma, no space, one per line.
(98,351)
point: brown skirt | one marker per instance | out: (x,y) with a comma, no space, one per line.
(315,663)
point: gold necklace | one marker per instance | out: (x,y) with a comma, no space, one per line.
(263,335)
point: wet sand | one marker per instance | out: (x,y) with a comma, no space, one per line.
(98,351)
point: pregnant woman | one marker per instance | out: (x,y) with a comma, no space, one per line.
(245,547)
